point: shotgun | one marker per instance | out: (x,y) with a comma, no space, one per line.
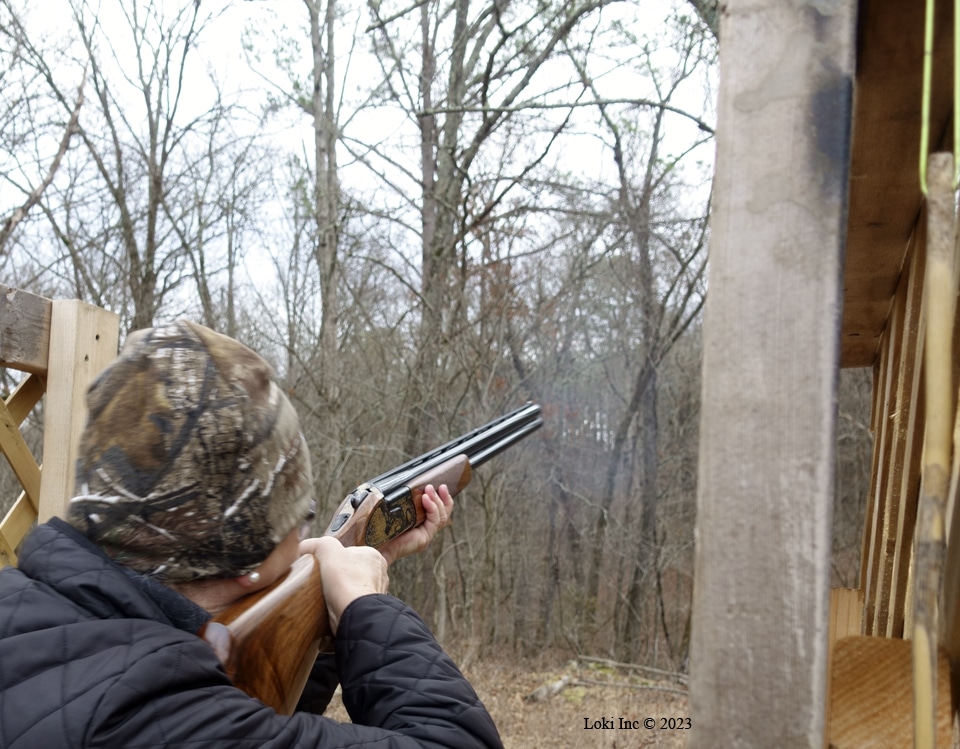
(268,641)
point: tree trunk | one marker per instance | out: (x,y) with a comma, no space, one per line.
(326,197)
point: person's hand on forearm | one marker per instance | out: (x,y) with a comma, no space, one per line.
(438,506)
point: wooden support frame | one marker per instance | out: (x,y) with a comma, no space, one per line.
(770,365)
(898,444)
(62,345)
(23,514)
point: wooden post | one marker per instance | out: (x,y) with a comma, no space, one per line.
(770,364)
(940,294)
(83,340)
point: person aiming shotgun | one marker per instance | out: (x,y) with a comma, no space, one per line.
(193,486)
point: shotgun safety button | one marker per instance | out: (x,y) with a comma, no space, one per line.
(357,497)
(337,523)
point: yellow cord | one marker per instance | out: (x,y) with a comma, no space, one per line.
(956,93)
(928,85)
(925,105)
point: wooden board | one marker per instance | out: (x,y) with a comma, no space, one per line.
(898,435)
(15,525)
(21,460)
(871,701)
(846,613)
(885,194)
(23,513)
(24,330)
(83,340)
(770,358)
(909,433)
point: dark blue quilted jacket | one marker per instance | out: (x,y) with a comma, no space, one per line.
(87,659)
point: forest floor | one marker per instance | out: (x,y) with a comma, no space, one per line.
(610,699)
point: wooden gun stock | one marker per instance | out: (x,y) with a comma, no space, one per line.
(268,641)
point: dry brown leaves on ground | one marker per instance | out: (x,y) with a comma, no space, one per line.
(600,708)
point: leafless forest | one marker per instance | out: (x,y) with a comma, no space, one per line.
(424,214)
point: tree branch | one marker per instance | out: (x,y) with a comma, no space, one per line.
(709,13)
(570,105)
(34,197)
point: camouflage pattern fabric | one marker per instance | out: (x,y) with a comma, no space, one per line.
(192,464)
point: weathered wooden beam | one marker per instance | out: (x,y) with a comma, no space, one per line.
(24,330)
(63,345)
(770,366)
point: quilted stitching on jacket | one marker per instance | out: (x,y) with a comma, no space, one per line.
(87,660)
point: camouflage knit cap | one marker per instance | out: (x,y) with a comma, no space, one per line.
(192,464)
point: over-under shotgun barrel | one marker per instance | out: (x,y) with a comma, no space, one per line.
(390,504)
(478,446)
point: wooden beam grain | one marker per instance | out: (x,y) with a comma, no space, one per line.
(870,696)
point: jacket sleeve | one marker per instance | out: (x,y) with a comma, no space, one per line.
(402,692)
(396,676)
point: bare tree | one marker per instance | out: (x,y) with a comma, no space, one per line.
(21,65)
(121,212)
(666,274)
(476,71)
(212,213)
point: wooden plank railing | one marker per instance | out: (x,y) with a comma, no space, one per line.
(898,440)
(61,345)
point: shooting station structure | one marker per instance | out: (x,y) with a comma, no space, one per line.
(819,250)
(819,245)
